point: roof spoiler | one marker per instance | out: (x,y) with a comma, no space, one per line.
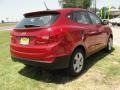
(40,13)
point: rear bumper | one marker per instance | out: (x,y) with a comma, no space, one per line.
(46,52)
(58,63)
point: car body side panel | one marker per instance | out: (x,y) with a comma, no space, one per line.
(78,34)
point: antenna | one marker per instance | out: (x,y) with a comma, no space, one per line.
(45,5)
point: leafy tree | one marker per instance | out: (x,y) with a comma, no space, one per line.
(77,3)
(104,12)
(86,3)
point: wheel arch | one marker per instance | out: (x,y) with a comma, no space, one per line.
(71,68)
(80,47)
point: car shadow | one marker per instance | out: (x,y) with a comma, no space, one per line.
(60,76)
(90,61)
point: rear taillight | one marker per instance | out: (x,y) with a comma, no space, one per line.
(46,40)
(42,40)
(47,37)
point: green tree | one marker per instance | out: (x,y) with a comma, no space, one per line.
(104,12)
(69,3)
(86,3)
(77,3)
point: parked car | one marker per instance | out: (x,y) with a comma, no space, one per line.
(118,22)
(59,39)
(115,21)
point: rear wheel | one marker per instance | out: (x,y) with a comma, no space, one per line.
(109,44)
(77,62)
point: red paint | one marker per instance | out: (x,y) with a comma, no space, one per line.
(60,39)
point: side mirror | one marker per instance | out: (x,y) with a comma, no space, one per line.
(105,22)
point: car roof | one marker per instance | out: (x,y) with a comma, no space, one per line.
(67,10)
(58,11)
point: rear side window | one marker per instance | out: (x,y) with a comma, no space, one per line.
(80,17)
(94,18)
(37,21)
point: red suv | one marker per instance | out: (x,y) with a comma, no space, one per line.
(59,39)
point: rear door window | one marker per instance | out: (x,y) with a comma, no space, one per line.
(80,17)
(94,18)
(37,21)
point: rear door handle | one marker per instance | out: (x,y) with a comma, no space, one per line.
(92,33)
(99,31)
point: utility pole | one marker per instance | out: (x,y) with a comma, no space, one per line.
(109,10)
(95,7)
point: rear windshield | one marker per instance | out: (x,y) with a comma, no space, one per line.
(37,21)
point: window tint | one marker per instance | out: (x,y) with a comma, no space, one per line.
(42,20)
(94,18)
(81,17)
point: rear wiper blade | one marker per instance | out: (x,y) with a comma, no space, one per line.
(27,26)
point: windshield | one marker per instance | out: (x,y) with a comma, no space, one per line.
(39,21)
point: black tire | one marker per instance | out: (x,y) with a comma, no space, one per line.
(119,24)
(75,69)
(109,44)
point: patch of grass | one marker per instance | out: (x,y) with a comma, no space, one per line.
(102,72)
(7,24)
(4,43)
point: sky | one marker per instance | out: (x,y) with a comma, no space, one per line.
(14,9)
(101,3)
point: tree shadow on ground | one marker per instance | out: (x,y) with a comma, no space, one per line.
(60,76)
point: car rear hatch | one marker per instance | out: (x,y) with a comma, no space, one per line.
(34,28)
(32,35)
